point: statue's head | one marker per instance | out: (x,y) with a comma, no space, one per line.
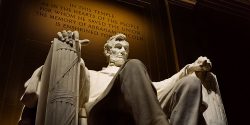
(116,49)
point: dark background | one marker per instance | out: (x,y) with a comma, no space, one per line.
(218,29)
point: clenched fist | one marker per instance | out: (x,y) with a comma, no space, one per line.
(70,37)
(202,64)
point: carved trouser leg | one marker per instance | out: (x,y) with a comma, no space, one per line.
(184,105)
(140,95)
(132,100)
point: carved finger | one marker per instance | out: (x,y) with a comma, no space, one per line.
(76,35)
(60,36)
(84,42)
(64,33)
(70,33)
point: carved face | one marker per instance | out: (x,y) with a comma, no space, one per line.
(116,49)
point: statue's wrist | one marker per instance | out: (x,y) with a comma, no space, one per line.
(189,69)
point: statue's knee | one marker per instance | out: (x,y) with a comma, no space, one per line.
(134,66)
(192,83)
(133,63)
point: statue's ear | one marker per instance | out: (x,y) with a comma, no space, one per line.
(106,50)
(106,53)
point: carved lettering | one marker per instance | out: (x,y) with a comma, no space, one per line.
(105,14)
(73,16)
(65,14)
(67,20)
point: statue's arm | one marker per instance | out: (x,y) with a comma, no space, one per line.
(85,83)
(173,79)
(30,96)
(199,66)
(84,92)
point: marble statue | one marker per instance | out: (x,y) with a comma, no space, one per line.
(65,92)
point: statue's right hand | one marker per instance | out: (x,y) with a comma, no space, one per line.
(64,35)
(83,42)
(69,37)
